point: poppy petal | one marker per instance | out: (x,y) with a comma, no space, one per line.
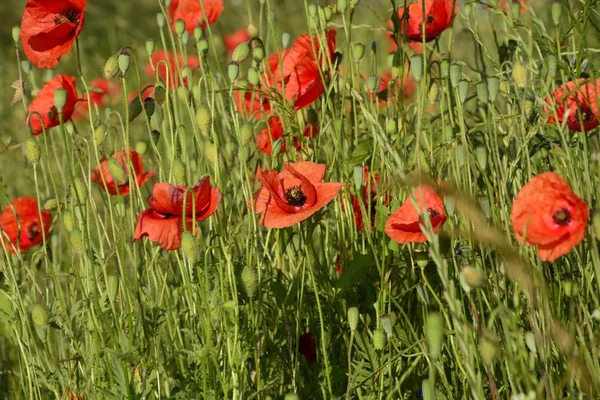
(166,231)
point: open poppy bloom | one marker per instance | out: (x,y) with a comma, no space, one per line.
(251,103)
(173,206)
(294,194)
(307,346)
(234,39)
(44,104)
(266,137)
(437,18)
(49,28)
(368,198)
(103,93)
(120,186)
(578,102)
(169,57)
(547,214)
(298,69)
(191,12)
(27,218)
(404,225)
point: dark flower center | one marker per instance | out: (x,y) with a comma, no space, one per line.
(433,214)
(562,217)
(430,18)
(68,15)
(33,231)
(52,113)
(294,196)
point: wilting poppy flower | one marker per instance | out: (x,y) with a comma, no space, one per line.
(299,69)
(368,197)
(308,347)
(44,104)
(169,57)
(438,17)
(49,28)
(191,12)
(574,99)
(163,221)
(266,137)
(114,185)
(103,93)
(404,225)
(28,217)
(293,195)
(251,103)
(547,214)
(234,39)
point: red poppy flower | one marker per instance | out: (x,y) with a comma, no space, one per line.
(293,195)
(404,225)
(27,218)
(191,12)
(299,69)
(251,103)
(169,57)
(234,39)
(48,29)
(72,396)
(103,93)
(438,17)
(44,104)
(266,137)
(308,347)
(114,186)
(547,214)
(571,99)
(368,198)
(163,221)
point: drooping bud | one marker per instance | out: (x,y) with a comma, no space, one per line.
(481,156)
(155,136)
(79,190)
(99,134)
(434,92)
(246,132)
(160,94)
(258,54)
(472,276)
(204,120)
(116,170)
(249,280)
(379,339)
(387,324)
(252,30)
(241,52)
(111,67)
(253,76)
(390,125)
(141,146)
(178,172)
(552,65)
(188,246)
(519,74)
(210,150)
(203,46)
(135,108)
(50,204)
(68,220)
(33,150)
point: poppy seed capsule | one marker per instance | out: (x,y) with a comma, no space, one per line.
(328,11)
(150,46)
(39,315)
(379,339)
(285,39)
(26,66)
(233,70)
(422,259)
(519,74)
(253,76)
(124,61)
(113,287)
(342,5)
(160,20)
(76,239)
(188,246)
(312,10)
(353,318)
(373,83)
(416,66)
(455,74)
(203,46)
(249,280)
(493,85)
(482,93)
(160,94)
(111,67)
(463,90)
(358,52)
(178,172)
(179,27)
(16,31)
(33,150)
(241,52)
(203,119)
(60,99)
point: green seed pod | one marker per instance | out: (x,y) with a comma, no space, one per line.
(182,93)
(116,170)
(204,120)
(556,12)
(422,258)
(160,20)
(552,65)
(358,174)
(60,98)
(434,334)
(179,27)
(379,339)
(493,86)
(253,76)
(111,67)
(160,94)
(188,246)
(149,107)
(76,239)
(445,68)
(312,10)
(353,318)
(482,93)
(481,156)
(358,52)
(249,280)
(455,74)
(26,66)
(113,287)
(246,132)
(124,61)
(241,52)
(391,126)
(210,151)
(33,150)
(178,172)
(258,54)
(328,11)
(150,46)
(99,134)
(416,66)
(388,326)
(519,74)
(373,83)
(434,93)
(198,33)
(203,46)
(463,90)
(472,276)
(50,204)
(141,146)
(16,32)
(342,5)
(68,220)
(135,108)
(233,70)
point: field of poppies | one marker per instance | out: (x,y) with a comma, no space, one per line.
(279,199)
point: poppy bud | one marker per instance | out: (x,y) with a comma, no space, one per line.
(455,74)
(33,150)
(556,12)
(210,151)
(249,280)
(68,220)
(124,60)
(26,66)
(39,316)
(416,66)
(434,334)
(141,147)
(387,324)
(111,67)
(241,52)
(481,155)
(373,83)
(160,94)
(160,20)
(493,85)
(258,54)
(482,92)
(50,204)
(149,107)
(178,172)
(519,74)
(233,70)
(552,64)
(312,10)
(76,239)
(116,170)
(60,98)
(16,32)
(188,246)
(113,287)
(79,190)
(358,51)
(434,92)
(353,318)
(203,46)
(379,339)
(463,90)
(155,136)
(135,108)
(342,5)
(99,134)
(182,93)
(246,132)
(203,119)
(285,39)
(179,27)
(472,276)
(150,45)
(328,11)
(448,133)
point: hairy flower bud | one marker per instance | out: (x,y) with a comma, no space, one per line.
(33,150)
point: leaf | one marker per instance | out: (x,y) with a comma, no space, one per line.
(355,271)
(361,153)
